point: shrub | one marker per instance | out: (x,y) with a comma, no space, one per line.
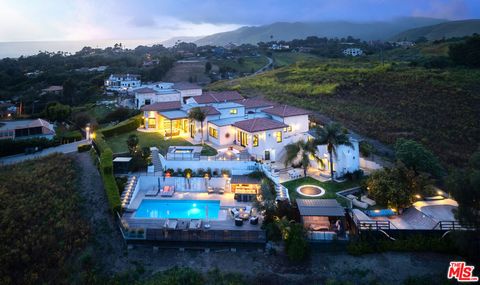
(11,147)
(106,161)
(187,172)
(111,189)
(84,147)
(123,127)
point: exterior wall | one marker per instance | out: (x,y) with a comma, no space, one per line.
(155,98)
(226,135)
(198,126)
(116,84)
(299,124)
(225,112)
(237,167)
(347,159)
(190,93)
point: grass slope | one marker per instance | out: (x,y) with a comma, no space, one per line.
(119,143)
(436,107)
(453,29)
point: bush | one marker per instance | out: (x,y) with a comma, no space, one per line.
(70,136)
(123,127)
(296,245)
(84,147)
(111,189)
(119,114)
(11,147)
(366,149)
(106,161)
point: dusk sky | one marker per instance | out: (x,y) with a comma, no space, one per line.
(47,20)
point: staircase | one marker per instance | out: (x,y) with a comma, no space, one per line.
(282,192)
(157,165)
(128,191)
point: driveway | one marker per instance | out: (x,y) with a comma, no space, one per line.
(64,148)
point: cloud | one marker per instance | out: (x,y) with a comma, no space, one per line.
(453,9)
(143,22)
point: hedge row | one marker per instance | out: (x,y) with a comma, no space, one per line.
(123,127)
(11,147)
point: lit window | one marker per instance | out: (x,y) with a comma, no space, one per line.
(233,111)
(278,135)
(213,132)
(287,129)
(255,140)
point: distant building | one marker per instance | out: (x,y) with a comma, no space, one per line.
(122,82)
(54,89)
(353,52)
(404,44)
(279,47)
(165,92)
(26,129)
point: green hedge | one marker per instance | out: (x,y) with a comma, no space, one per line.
(106,161)
(11,147)
(123,127)
(70,136)
(100,142)
(111,189)
(84,147)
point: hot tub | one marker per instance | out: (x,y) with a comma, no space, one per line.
(310,191)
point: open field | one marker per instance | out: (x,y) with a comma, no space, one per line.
(186,71)
(250,64)
(288,58)
(438,107)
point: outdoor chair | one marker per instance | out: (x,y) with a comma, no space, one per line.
(238,222)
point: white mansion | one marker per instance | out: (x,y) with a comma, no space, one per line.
(261,127)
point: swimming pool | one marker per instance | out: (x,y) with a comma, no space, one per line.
(179,209)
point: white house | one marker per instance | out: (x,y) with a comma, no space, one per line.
(122,82)
(165,92)
(353,52)
(26,129)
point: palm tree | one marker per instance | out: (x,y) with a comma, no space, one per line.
(198,115)
(332,135)
(302,150)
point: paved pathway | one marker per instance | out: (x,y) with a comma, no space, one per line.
(64,148)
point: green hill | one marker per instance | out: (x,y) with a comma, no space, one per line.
(380,30)
(436,107)
(443,30)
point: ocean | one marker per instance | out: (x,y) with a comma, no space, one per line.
(17,49)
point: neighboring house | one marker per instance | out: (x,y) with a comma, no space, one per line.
(353,52)
(54,89)
(122,82)
(26,129)
(165,92)
(279,47)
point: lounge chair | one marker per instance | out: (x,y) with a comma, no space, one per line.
(171,224)
(167,191)
(367,200)
(210,190)
(234,212)
(221,190)
(238,222)
(254,220)
(152,192)
(195,224)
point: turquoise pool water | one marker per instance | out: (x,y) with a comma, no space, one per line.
(180,209)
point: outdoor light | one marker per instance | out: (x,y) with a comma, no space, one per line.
(418,196)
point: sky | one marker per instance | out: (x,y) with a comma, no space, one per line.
(65,20)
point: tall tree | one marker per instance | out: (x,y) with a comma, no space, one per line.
(132,143)
(302,151)
(333,136)
(415,156)
(69,90)
(197,114)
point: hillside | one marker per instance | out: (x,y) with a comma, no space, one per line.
(300,30)
(443,30)
(437,107)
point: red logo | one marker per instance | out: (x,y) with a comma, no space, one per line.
(461,271)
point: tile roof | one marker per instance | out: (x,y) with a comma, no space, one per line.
(185,86)
(218,97)
(209,110)
(286,111)
(256,103)
(162,106)
(259,124)
(53,88)
(320,207)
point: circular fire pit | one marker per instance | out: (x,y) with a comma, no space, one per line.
(311,190)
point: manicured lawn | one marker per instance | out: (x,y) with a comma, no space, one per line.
(119,143)
(330,187)
(208,150)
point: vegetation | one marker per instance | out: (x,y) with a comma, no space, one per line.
(40,221)
(467,53)
(197,114)
(118,145)
(300,153)
(385,102)
(398,187)
(11,147)
(111,189)
(464,185)
(416,157)
(333,136)
(241,65)
(123,127)
(294,235)
(84,147)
